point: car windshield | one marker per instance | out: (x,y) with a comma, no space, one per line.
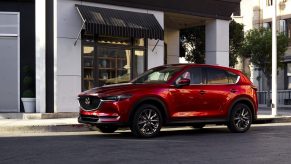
(158,75)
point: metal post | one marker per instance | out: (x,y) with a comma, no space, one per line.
(274,60)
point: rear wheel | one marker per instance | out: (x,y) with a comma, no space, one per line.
(147,121)
(107,128)
(240,119)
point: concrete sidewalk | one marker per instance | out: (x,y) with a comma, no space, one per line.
(40,122)
(41,125)
(67,122)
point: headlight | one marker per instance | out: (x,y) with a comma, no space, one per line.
(117,98)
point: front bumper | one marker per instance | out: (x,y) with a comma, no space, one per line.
(90,119)
(107,113)
(94,120)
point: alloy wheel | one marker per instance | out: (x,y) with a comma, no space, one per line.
(148,122)
(242,118)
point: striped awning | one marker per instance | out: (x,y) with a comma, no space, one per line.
(109,22)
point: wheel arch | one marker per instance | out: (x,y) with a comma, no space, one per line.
(247,101)
(152,101)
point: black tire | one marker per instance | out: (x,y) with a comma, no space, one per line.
(240,119)
(107,128)
(198,125)
(146,122)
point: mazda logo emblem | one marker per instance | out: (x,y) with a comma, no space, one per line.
(87,101)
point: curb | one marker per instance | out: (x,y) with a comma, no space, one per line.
(276,119)
(29,116)
(45,128)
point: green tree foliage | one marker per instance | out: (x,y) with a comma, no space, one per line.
(193,43)
(257,46)
(236,38)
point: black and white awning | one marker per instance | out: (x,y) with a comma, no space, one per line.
(109,22)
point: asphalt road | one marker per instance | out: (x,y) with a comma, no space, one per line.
(266,143)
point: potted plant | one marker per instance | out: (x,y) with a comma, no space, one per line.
(28,96)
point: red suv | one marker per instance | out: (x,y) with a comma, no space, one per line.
(178,94)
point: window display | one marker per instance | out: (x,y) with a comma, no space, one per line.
(111,60)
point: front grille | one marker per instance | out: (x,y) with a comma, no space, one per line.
(89,102)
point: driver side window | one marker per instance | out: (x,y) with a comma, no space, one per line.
(194,74)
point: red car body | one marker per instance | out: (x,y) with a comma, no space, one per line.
(187,104)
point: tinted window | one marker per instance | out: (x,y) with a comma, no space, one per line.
(194,74)
(232,78)
(216,76)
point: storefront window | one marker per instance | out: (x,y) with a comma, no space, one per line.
(88,65)
(113,40)
(139,62)
(139,42)
(114,65)
(111,60)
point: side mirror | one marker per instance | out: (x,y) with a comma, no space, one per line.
(183,82)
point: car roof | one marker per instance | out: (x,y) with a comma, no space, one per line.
(243,78)
(204,65)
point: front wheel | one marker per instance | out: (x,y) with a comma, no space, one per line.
(147,121)
(240,119)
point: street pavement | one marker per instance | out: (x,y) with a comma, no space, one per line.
(262,144)
(67,122)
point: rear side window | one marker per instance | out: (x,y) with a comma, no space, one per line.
(219,76)
(216,76)
(232,78)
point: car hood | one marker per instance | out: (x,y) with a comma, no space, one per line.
(116,89)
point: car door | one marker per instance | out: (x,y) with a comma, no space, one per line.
(216,92)
(187,99)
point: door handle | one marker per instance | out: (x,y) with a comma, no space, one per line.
(202,92)
(233,90)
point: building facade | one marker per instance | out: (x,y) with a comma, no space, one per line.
(74,45)
(258,13)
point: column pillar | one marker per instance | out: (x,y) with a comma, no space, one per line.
(217,42)
(172,39)
(40,51)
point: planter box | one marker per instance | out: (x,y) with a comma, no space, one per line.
(29,105)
